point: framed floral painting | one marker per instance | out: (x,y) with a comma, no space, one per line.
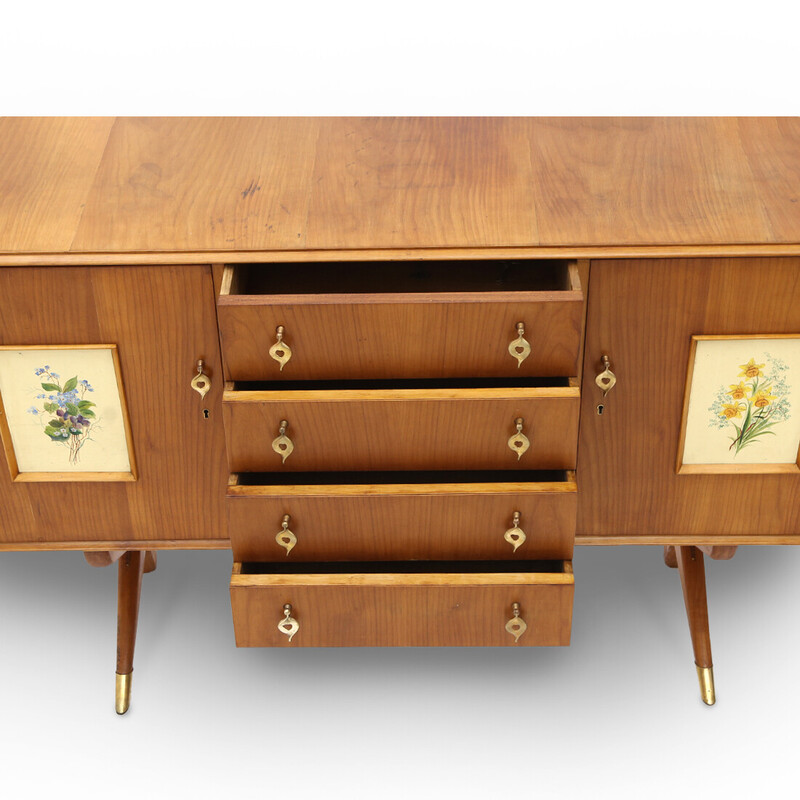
(741,410)
(63,415)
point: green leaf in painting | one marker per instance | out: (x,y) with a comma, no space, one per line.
(85,404)
(51,387)
(71,384)
(87,413)
(50,408)
(73,409)
(51,432)
(55,423)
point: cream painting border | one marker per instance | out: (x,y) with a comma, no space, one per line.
(66,474)
(743,468)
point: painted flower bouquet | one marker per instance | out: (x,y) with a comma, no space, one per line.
(760,400)
(71,414)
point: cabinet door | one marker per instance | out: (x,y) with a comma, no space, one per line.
(162,319)
(642,315)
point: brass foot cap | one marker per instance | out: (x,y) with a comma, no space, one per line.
(122,699)
(706,677)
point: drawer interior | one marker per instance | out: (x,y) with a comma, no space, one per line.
(368,277)
(408,569)
(503,480)
(432,384)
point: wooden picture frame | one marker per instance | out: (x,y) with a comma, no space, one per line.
(761,391)
(68,420)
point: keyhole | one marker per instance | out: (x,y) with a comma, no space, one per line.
(600,408)
(205,413)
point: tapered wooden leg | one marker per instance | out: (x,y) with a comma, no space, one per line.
(693,582)
(129,589)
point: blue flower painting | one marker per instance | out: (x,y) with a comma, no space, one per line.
(67,415)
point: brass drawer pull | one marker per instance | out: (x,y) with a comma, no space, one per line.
(201,383)
(289,625)
(516,625)
(284,537)
(280,351)
(606,379)
(520,348)
(515,536)
(519,442)
(282,444)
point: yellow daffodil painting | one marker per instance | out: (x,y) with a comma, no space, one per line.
(750,409)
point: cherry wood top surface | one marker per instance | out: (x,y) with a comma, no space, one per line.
(72,186)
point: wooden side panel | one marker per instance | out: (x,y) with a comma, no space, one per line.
(416,338)
(384,524)
(469,431)
(642,314)
(402,615)
(162,320)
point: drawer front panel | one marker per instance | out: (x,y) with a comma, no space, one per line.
(396,522)
(409,340)
(396,333)
(402,430)
(395,610)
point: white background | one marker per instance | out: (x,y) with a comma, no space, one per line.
(616,715)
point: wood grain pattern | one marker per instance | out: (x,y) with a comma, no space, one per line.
(643,315)
(396,335)
(402,429)
(180,455)
(398,611)
(385,522)
(324,184)
(47,167)
(201,183)
(693,583)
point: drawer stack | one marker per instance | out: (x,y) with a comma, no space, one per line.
(402,440)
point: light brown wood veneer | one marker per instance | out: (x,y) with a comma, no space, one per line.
(402,610)
(402,429)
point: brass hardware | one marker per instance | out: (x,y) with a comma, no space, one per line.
(515,536)
(288,625)
(280,351)
(122,695)
(516,625)
(284,537)
(519,442)
(706,677)
(282,444)
(606,379)
(201,382)
(520,348)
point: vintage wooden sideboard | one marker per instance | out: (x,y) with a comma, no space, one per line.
(400,366)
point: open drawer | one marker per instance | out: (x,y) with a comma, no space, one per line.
(435,427)
(402,604)
(400,319)
(396,516)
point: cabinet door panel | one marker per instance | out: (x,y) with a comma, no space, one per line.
(163,320)
(642,314)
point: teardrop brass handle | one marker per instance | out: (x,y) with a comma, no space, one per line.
(606,379)
(282,444)
(516,625)
(520,348)
(288,625)
(519,442)
(284,537)
(515,536)
(280,351)
(201,382)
